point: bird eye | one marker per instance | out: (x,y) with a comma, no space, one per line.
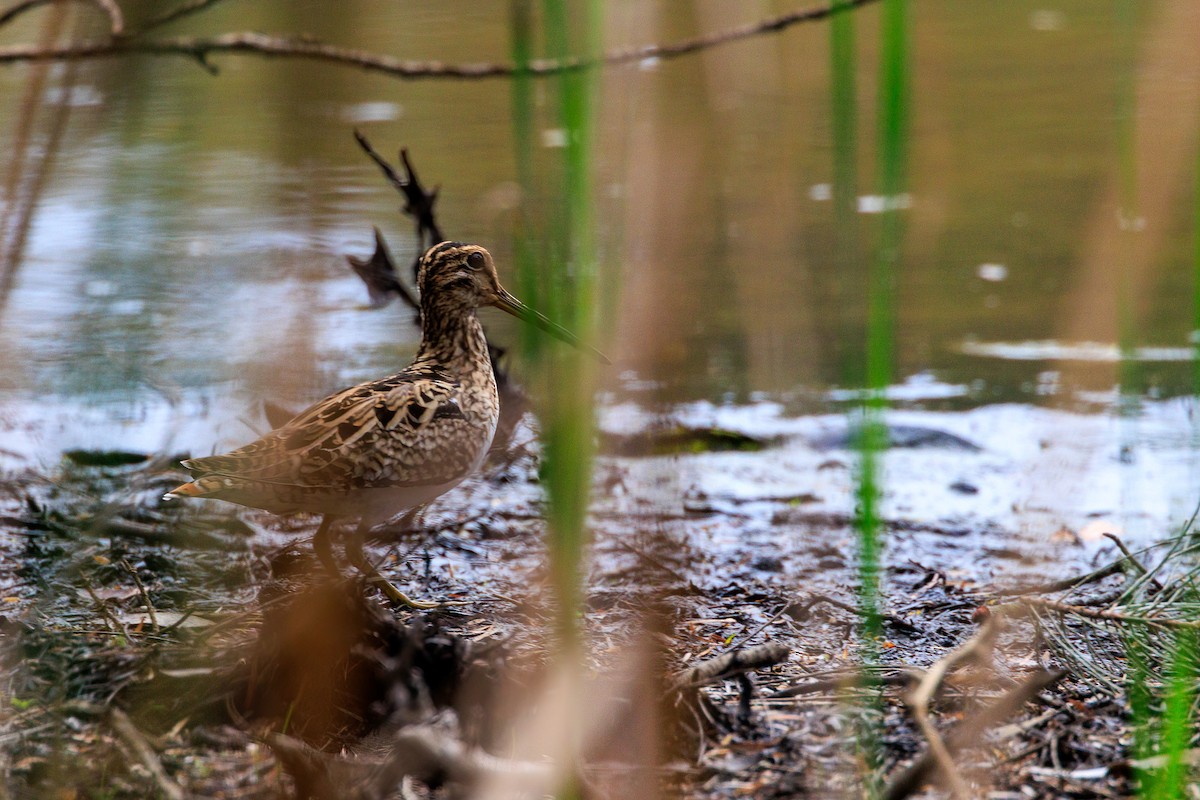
(476,260)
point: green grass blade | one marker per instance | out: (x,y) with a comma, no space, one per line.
(523,117)
(881,299)
(568,418)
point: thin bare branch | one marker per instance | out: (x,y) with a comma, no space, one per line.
(1112,537)
(200,48)
(1099,613)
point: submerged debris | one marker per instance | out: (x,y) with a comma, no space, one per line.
(898,436)
(105,458)
(676,439)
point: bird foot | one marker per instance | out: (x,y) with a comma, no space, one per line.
(400,598)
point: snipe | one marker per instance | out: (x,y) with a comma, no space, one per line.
(391,445)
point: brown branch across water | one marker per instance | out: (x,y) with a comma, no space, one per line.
(200,48)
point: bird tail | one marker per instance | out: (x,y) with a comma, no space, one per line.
(201,487)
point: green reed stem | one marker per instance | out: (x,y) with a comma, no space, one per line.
(1179,715)
(1178,723)
(568,420)
(893,113)
(523,116)
(1166,728)
(881,300)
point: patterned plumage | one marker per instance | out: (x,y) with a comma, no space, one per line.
(390,445)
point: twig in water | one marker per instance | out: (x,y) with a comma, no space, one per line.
(418,201)
(379,274)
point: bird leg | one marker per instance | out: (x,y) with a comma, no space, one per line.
(323,548)
(354,552)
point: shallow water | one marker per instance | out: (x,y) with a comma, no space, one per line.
(187,256)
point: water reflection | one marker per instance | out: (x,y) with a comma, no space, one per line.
(193,231)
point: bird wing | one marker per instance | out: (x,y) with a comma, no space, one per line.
(389,432)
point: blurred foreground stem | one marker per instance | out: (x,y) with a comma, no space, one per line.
(881,299)
(571,29)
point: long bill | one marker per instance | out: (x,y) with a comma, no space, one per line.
(512,305)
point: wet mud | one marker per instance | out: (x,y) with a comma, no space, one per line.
(156,647)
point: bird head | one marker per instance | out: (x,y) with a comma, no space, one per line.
(453,277)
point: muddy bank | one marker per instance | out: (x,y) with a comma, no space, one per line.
(202,628)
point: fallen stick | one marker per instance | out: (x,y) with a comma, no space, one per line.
(135,741)
(1029,603)
(1066,583)
(978,648)
(729,665)
(971,730)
